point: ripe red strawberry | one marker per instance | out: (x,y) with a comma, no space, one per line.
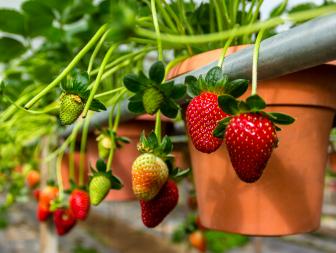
(250,139)
(42,212)
(64,220)
(156,209)
(47,194)
(202,116)
(79,204)
(36,194)
(149,174)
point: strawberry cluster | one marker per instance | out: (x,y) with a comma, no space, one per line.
(65,213)
(158,195)
(214,115)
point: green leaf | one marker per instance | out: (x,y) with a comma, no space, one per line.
(56,4)
(12,21)
(97,106)
(116,183)
(133,83)
(136,107)
(221,83)
(101,165)
(243,107)
(179,174)
(213,76)
(237,87)
(280,118)
(255,103)
(10,49)
(193,89)
(152,140)
(39,17)
(136,98)
(169,108)
(221,127)
(228,104)
(179,90)
(157,72)
(166,145)
(167,88)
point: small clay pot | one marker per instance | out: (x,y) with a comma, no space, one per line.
(287,199)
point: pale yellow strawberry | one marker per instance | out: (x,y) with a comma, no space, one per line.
(149,174)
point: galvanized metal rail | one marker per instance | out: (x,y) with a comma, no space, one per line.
(307,45)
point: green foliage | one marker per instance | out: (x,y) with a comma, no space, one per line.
(220,242)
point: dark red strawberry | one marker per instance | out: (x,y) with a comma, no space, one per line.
(79,204)
(202,116)
(250,139)
(156,209)
(36,194)
(64,220)
(42,212)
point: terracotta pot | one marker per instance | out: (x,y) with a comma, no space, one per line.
(66,169)
(332,162)
(288,197)
(124,157)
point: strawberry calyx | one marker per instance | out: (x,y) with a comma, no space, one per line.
(152,93)
(100,170)
(76,85)
(253,104)
(215,81)
(163,150)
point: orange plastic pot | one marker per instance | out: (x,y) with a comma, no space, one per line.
(288,197)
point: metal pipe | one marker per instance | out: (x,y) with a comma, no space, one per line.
(304,46)
(307,45)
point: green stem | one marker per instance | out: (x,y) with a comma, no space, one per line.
(255,62)
(110,92)
(72,155)
(59,176)
(96,50)
(82,149)
(172,63)
(226,46)
(157,30)
(98,79)
(165,16)
(71,65)
(158,126)
(218,15)
(206,38)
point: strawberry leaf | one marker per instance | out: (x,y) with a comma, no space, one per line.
(169,108)
(166,145)
(213,76)
(179,90)
(152,141)
(237,87)
(193,89)
(255,103)
(178,174)
(97,106)
(228,104)
(167,88)
(280,118)
(116,183)
(133,83)
(101,165)
(221,127)
(157,72)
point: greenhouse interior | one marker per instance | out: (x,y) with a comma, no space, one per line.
(167,126)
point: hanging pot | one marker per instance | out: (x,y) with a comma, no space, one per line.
(287,199)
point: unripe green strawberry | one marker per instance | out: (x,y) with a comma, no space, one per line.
(152,100)
(99,187)
(71,106)
(149,174)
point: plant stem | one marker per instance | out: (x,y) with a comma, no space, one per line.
(158,126)
(166,16)
(59,175)
(96,50)
(72,154)
(206,38)
(226,46)
(82,148)
(110,92)
(71,65)
(172,63)
(255,62)
(157,30)
(98,79)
